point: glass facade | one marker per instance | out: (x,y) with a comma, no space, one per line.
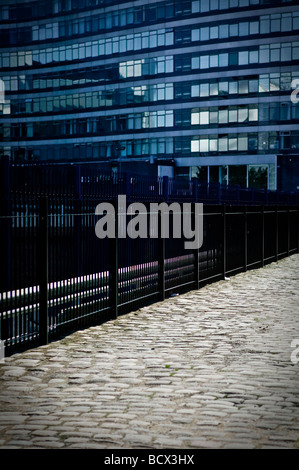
(206,84)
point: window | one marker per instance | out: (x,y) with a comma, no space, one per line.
(196,6)
(243,58)
(285,111)
(223,60)
(204,145)
(274,111)
(223,116)
(223,144)
(214,61)
(253,86)
(253,114)
(274,53)
(286,52)
(214,4)
(233,144)
(233,30)
(169,119)
(161,118)
(169,91)
(204,118)
(233,58)
(286,22)
(223,88)
(161,91)
(195,35)
(214,33)
(243,115)
(254,27)
(169,64)
(204,34)
(275,23)
(264,84)
(233,115)
(194,63)
(253,57)
(242,143)
(204,89)
(195,145)
(243,86)
(214,89)
(296,51)
(264,54)
(213,145)
(214,116)
(194,90)
(244,29)
(204,62)
(274,82)
(223,31)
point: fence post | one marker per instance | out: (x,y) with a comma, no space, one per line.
(113,267)
(224,240)
(5,232)
(245,239)
(196,255)
(263,236)
(288,231)
(165,188)
(161,259)
(195,189)
(127,184)
(219,193)
(78,210)
(43,271)
(276,233)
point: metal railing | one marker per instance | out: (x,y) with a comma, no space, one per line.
(57,276)
(88,180)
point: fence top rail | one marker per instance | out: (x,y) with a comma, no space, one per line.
(84,181)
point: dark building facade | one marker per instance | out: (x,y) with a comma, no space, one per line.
(197,88)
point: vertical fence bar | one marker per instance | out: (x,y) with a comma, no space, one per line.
(288,231)
(127,184)
(195,189)
(245,239)
(77,218)
(196,255)
(196,266)
(263,236)
(5,233)
(165,188)
(161,259)
(276,233)
(113,266)
(43,271)
(224,239)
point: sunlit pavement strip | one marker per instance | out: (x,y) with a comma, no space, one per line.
(214,368)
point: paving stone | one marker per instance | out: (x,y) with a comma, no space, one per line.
(208,369)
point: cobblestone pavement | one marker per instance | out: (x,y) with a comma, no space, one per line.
(212,368)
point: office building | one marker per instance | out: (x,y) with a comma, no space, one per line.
(198,88)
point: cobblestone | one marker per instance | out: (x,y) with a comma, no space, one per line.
(208,369)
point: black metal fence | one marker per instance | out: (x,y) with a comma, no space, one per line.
(89,180)
(57,276)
